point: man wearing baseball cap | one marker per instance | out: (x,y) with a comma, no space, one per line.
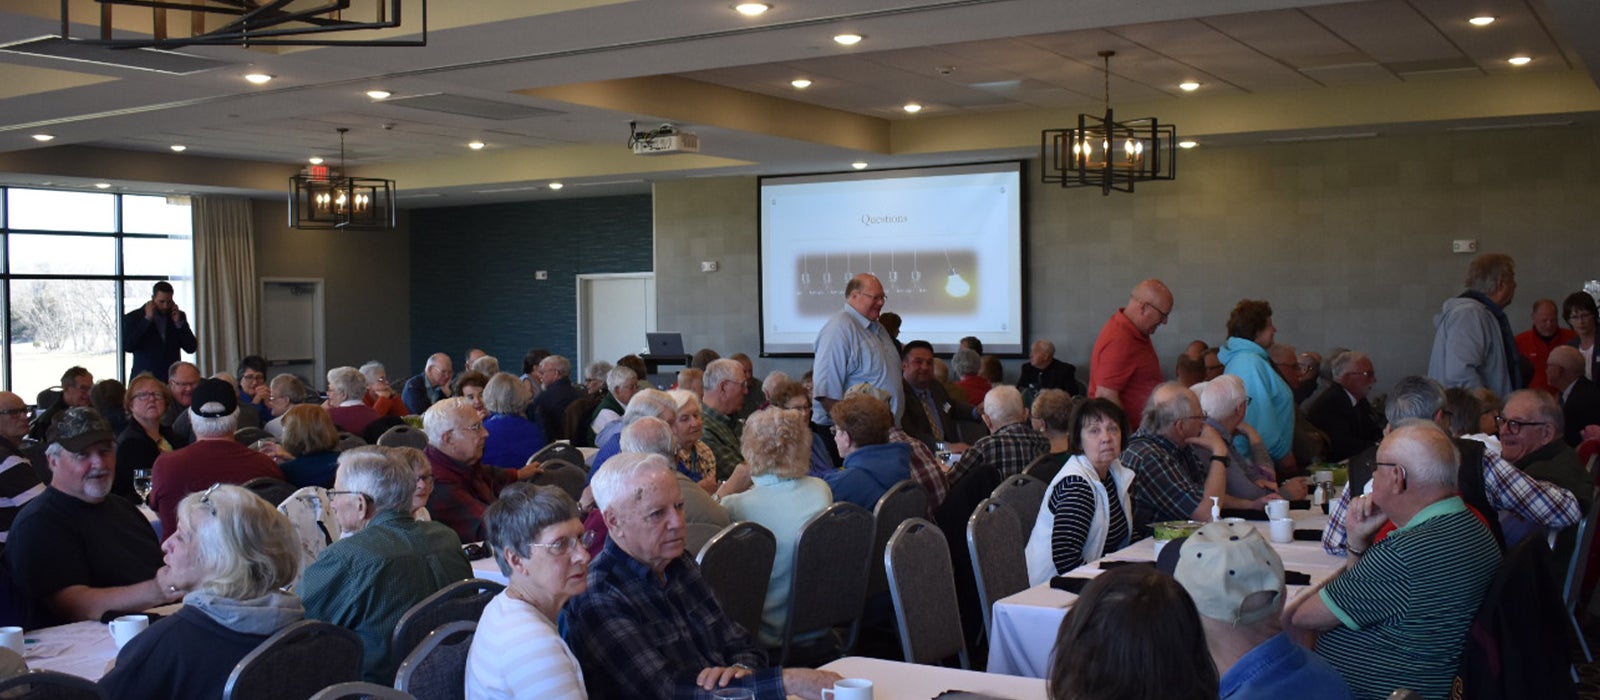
(78,550)
(214,458)
(1236,581)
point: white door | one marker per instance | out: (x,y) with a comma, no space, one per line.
(292,330)
(614,313)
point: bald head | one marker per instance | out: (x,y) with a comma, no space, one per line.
(1564,366)
(864,293)
(13,417)
(1149,305)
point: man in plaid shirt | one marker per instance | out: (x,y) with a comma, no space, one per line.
(649,626)
(1499,485)
(1012,443)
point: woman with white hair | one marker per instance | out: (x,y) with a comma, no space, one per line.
(380,395)
(513,439)
(1252,476)
(541,548)
(966,365)
(694,458)
(231,553)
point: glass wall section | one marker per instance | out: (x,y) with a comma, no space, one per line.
(72,263)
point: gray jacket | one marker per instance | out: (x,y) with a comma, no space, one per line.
(1468,350)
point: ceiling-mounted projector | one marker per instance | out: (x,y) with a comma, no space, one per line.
(663,140)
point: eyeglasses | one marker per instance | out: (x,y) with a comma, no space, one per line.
(24,411)
(424,478)
(1513,426)
(182,385)
(147,396)
(878,297)
(205,499)
(1368,373)
(1579,316)
(1399,469)
(1164,314)
(363,496)
(564,545)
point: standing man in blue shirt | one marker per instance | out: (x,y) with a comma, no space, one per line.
(852,348)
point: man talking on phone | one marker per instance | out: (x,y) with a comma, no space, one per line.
(156,333)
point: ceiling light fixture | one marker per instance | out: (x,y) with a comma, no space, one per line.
(315,160)
(102,185)
(475,145)
(248,24)
(44,138)
(847,39)
(178,148)
(1085,156)
(556,185)
(1519,60)
(1481,21)
(1187,144)
(800,83)
(1189,86)
(859,165)
(258,78)
(321,198)
(751,9)
(379,94)
(912,108)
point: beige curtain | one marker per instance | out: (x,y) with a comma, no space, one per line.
(225,281)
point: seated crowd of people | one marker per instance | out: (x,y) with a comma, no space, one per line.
(605,599)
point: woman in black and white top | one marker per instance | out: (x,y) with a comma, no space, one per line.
(1086,511)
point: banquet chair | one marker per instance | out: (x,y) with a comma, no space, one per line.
(274,491)
(1023,494)
(356,690)
(50,685)
(404,436)
(569,477)
(248,436)
(830,576)
(923,586)
(697,535)
(900,503)
(349,441)
(1577,567)
(562,451)
(735,563)
(296,662)
(995,542)
(437,668)
(460,601)
(1044,467)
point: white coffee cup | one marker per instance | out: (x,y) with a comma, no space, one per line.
(1282,530)
(1277,509)
(11,638)
(126,627)
(849,689)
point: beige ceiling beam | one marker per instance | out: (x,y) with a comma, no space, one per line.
(534,164)
(698,103)
(1364,107)
(139,166)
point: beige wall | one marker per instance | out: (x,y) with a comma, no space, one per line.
(366,284)
(1349,240)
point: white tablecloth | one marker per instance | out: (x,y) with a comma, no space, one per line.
(79,648)
(895,680)
(1024,626)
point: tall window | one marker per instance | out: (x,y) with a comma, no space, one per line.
(72,264)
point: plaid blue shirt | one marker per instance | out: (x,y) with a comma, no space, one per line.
(637,636)
(1170,480)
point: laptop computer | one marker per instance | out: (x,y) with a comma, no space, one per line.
(666,344)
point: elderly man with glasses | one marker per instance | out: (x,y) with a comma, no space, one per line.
(1124,367)
(19,479)
(76,383)
(852,348)
(386,562)
(1174,482)
(1531,426)
(1343,411)
(464,486)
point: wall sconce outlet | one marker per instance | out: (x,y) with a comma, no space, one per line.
(541,274)
(708,266)
(1464,245)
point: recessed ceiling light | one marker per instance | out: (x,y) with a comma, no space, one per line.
(1187,144)
(751,9)
(258,78)
(1481,21)
(847,39)
(178,148)
(1189,86)
(859,165)
(800,83)
(316,160)
(556,185)
(379,94)
(103,185)
(912,108)
(1518,60)
(41,138)
(475,145)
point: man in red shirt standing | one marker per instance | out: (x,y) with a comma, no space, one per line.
(1535,344)
(1124,367)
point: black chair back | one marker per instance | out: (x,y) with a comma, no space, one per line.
(274,491)
(734,563)
(902,502)
(996,544)
(50,685)
(829,586)
(404,436)
(298,661)
(923,586)
(1023,494)
(361,690)
(437,668)
(569,477)
(457,602)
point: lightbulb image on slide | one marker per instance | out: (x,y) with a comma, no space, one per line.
(956,286)
(910,292)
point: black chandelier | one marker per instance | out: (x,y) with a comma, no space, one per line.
(320,198)
(178,23)
(1105,153)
